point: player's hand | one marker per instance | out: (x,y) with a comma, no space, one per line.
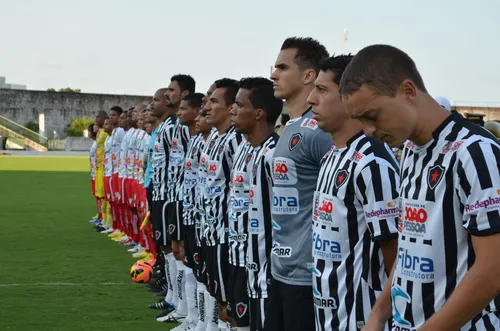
(374,324)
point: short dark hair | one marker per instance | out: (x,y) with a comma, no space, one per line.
(310,52)
(253,82)
(231,87)
(125,112)
(186,82)
(103,114)
(262,97)
(382,68)
(117,109)
(194,100)
(336,65)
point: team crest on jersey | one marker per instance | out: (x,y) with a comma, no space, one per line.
(249,157)
(254,170)
(171,228)
(193,152)
(341,178)
(310,124)
(221,149)
(241,309)
(434,176)
(295,140)
(157,234)
(196,258)
(212,143)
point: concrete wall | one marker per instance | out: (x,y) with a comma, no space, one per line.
(59,108)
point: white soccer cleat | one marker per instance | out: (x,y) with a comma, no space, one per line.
(173,317)
(187,325)
(108,231)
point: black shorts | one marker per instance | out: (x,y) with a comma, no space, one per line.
(237,296)
(158,219)
(217,262)
(191,251)
(290,308)
(174,218)
(257,314)
(149,197)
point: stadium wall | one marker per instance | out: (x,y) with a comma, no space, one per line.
(59,108)
(491,113)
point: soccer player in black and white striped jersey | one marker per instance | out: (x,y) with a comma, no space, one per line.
(354,211)
(255,113)
(447,275)
(159,162)
(179,87)
(219,153)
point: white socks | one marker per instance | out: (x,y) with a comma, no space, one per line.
(180,281)
(191,294)
(202,307)
(213,313)
(223,325)
(170,273)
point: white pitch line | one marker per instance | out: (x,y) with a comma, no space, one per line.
(64,284)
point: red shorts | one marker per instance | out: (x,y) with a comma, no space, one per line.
(142,203)
(92,184)
(115,187)
(129,192)
(137,193)
(108,193)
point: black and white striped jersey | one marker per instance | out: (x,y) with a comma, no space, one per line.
(160,158)
(260,240)
(191,167)
(220,151)
(178,150)
(354,208)
(238,204)
(450,191)
(200,223)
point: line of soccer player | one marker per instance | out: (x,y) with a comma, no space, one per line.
(319,228)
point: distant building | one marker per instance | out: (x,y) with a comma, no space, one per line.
(4,85)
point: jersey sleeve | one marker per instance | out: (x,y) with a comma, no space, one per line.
(233,145)
(478,176)
(319,146)
(377,187)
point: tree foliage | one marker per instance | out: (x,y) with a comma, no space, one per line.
(33,126)
(77,126)
(67,90)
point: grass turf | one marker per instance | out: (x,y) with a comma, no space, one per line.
(45,238)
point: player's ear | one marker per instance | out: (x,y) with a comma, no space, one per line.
(259,114)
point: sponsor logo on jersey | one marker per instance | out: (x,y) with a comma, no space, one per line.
(252,266)
(414,219)
(341,178)
(238,180)
(326,248)
(212,191)
(284,171)
(390,211)
(295,140)
(234,236)
(310,124)
(397,294)
(315,271)
(253,225)
(285,201)
(323,208)
(490,203)
(212,169)
(174,143)
(414,265)
(434,176)
(323,302)
(175,160)
(282,251)
(356,157)
(252,194)
(238,204)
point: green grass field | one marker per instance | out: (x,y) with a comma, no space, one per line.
(57,273)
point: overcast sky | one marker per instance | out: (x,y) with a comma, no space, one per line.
(133,47)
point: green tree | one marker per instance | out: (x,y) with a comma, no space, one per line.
(77,126)
(67,90)
(33,126)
